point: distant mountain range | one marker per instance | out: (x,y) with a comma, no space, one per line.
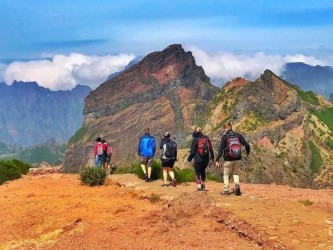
(31,114)
(314,78)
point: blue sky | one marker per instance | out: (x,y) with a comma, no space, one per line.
(31,30)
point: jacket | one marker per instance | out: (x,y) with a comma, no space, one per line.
(194,149)
(96,148)
(147,146)
(223,146)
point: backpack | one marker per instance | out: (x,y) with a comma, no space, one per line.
(234,149)
(99,149)
(108,150)
(170,150)
(203,146)
(147,146)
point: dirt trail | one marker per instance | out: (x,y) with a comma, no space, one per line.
(57,212)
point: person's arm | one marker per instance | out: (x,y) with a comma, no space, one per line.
(211,150)
(193,149)
(245,143)
(139,146)
(162,142)
(104,149)
(221,148)
(154,146)
(176,153)
(95,150)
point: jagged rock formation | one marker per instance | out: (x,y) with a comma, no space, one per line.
(166,91)
(31,114)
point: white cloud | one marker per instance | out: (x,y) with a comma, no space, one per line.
(224,66)
(64,72)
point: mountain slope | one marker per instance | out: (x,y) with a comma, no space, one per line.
(166,91)
(290,130)
(31,114)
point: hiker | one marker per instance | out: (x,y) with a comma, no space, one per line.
(99,153)
(201,148)
(107,165)
(230,148)
(146,151)
(168,159)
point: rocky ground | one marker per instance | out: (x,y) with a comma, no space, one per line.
(54,211)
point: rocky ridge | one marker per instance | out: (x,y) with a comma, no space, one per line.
(166,91)
(288,128)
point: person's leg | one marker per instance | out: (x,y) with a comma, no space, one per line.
(203,175)
(197,169)
(149,162)
(165,175)
(172,174)
(235,169)
(226,172)
(143,162)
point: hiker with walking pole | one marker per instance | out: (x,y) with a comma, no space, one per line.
(230,149)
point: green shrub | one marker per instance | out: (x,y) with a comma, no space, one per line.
(316,159)
(93,176)
(156,171)
(184,175)
(305,202)
(123,169)
(12,170)
(211,177)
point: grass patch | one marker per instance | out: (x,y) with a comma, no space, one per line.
(78,136)
(93,176)
(325,116)
(211,177)
(305,202)
(12,170)
(316,159)
(184,175)
(329,143)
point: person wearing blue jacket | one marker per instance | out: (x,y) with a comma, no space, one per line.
(146,151)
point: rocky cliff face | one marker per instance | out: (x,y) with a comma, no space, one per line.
(31,114)
(166,91)
(289,130)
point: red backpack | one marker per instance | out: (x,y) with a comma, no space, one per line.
(234,149)
(203,146)
(108,150)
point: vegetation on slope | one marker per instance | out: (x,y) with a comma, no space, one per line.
(12,169)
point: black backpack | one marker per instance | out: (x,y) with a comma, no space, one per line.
(170,149)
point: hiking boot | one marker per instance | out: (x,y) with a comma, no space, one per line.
(165,185)
(203,188)
(174,183)
(148,180)
(145,177)
(237,190)
(226,192)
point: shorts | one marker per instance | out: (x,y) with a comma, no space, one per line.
(168,163)
(146,161)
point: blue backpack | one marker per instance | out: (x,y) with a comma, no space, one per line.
(147,146)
